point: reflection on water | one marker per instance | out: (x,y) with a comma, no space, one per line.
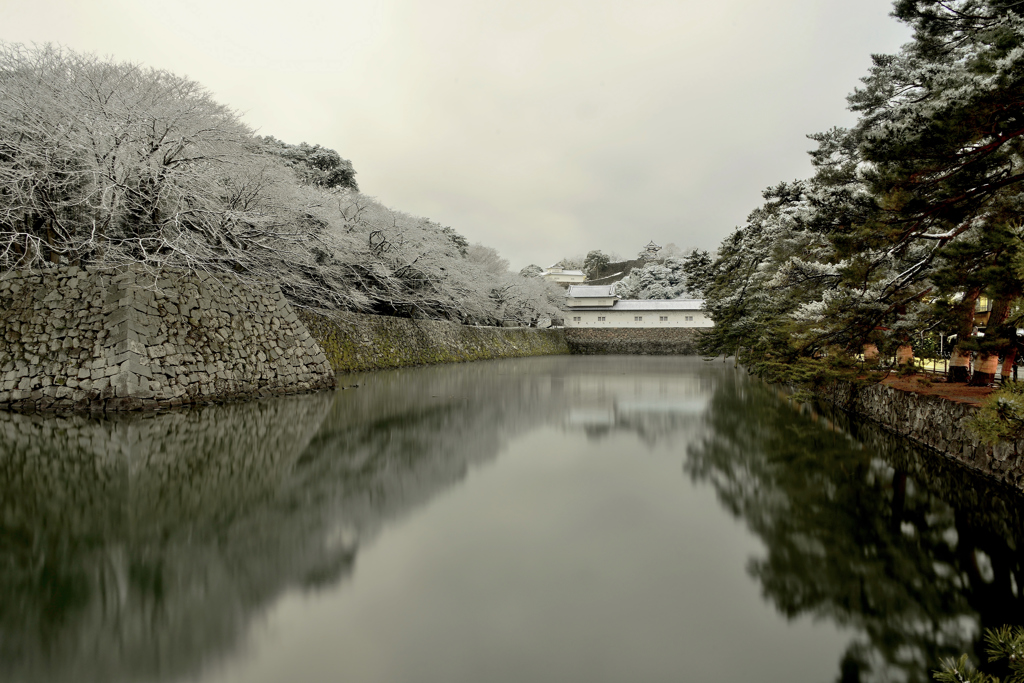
(141,545)
(149,547)
(912,551)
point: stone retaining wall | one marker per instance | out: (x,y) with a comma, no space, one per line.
(102,340)
(647,341)
(355,342)
(92,339)
(145,472)
(931,421)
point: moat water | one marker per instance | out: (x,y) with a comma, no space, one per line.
(548,519)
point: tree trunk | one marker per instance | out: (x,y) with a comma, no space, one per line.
(988,360)
(960,358)
(1009,361)
(985,370)
(959,366)
(51,242)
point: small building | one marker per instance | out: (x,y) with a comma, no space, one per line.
(651,252)
(561,276)
(591,295)
(600,306)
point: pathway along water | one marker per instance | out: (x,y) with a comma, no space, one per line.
(550,519)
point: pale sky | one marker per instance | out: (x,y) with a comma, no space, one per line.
(543,128)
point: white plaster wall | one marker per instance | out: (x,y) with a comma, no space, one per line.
(626,319)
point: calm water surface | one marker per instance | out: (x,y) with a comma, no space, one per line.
(547,519)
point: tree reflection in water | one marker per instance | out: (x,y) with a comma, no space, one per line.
(143,548)
(914,553)
(135,547)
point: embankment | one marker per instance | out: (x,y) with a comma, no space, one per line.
(932,421)
(640,341)
(103,340)
(355,342)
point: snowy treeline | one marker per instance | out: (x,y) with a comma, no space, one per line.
(667,279)
(105,163)
(911,215)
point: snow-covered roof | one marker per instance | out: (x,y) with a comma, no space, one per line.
(658,305)
(652,305)
(556,270)
(591,291)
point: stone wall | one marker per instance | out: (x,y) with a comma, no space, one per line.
(143,473)
(188,513)
(355,342)
(931,421)
(103,340)
(647,341)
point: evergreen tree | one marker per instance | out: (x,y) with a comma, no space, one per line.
(909,216)
(313,164)
(1004,645)
(595,263)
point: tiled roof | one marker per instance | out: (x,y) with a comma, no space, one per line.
(591,291)
(649,305)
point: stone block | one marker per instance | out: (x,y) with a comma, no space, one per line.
(124,383)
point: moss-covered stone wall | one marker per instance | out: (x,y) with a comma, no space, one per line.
(355,342)
(635,341)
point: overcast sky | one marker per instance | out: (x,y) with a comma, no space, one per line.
(543,128)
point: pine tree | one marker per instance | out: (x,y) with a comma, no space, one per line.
(1004,645)
(910,215)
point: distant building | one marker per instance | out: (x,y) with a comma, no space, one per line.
(599,306)
(650,252)
(561,276)
(591,296)
(982,310)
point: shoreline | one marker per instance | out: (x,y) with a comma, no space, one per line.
(932,420)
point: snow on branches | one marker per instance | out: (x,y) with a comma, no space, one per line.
(109,164)
(916,205)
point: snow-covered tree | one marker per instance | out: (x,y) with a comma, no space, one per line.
(595,263)
(675,277)
(487,258)
(666,280)
(105,163)
(572,263)
(372,258)
(110,163)
(313,164)
(910,215)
